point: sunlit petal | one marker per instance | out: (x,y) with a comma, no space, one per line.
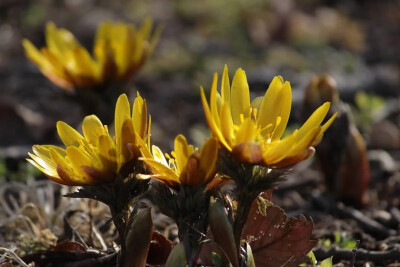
(92,129)
(69,136)
(240,97)
(208,157)
(181,151)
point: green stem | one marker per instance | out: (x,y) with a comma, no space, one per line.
(242,212)
(119,219)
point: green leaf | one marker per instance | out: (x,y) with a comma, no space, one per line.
(312,258)
(327,262)
(217,260)
(222,230)
(338,237)
(177,258)
(138,239)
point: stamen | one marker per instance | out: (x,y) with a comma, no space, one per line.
(173,154)
(241,118)
(266,128)
(254,114)
(278,121)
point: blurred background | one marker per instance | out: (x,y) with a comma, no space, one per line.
(355,42)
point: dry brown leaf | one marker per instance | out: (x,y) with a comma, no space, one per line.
(275,239)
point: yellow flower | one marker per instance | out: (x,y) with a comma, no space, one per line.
(119,51)
(185,165)
(252,132)
(96,157)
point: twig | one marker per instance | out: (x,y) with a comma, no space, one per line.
(99,237)
(14,256)
(377,257)
(366,223)
(354,253)
(291,184)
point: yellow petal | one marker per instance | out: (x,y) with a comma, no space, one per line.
(123,40)
(139,116)
(92,129)
(225,87)
(107,152)
(49,172)
(57,65)
(127,137)
(162,171)
(256,103)
(303,141)
(181,151)
(227,124)
(101,47)
(69,136)
(33,53)
(277,102)
(43,159)
(47,166)
(78,61)
(62,162)
(158,155)
(102,31)
(145,28)
(240,97)
(45,162)
(141,41)
(213,100)
(329,122)
(43,151)
(122,114)
(314,120)
(207,112)
(144,148)
(246,132)
(78,159)
(285,104)
(278,149)
(323,128)
(59,40)
(155,38)
(208,158)
(214,130)
(148,132)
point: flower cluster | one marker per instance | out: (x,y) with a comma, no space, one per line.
(185,165)
(252,131)
(96,157)
(119,51)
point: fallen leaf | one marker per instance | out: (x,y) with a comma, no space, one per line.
(68,246)
(275,239)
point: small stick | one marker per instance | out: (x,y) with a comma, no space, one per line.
(14,256)
(377,257)
(354,253)
(366,223)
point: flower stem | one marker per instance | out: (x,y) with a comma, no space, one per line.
(242,212)
(119,219)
